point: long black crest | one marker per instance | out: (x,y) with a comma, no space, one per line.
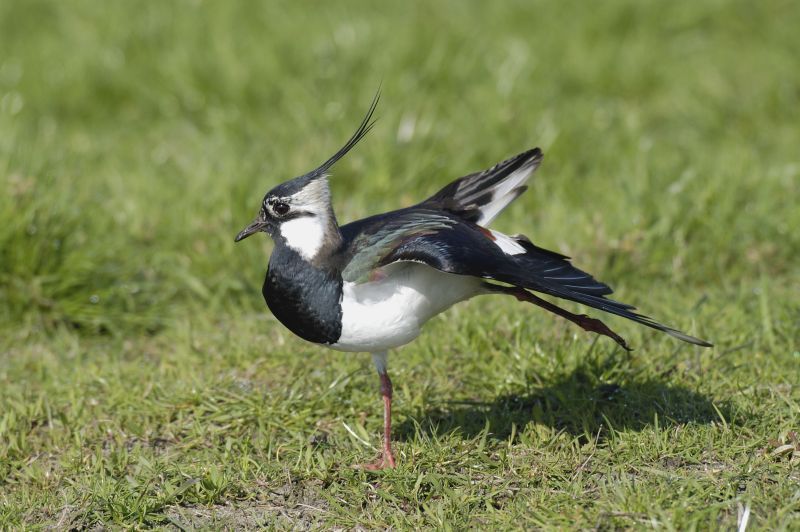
(361,132)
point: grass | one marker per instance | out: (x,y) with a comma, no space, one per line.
(143,383)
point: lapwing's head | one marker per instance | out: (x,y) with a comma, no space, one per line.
(298,213)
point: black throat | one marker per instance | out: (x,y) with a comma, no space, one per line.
(305,297)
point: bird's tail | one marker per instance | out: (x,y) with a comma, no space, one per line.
(551,273)
(620,309)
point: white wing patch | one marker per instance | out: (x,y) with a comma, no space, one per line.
(507,244)
(504,193)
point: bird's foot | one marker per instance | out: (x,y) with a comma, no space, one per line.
(585,322)
(386,461)
(381,463)
(594,325)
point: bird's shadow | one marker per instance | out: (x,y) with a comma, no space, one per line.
(579,403)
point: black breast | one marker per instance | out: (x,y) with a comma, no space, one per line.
(306,299)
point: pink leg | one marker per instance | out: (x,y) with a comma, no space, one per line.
(386,392)
(387,458)
(585,322)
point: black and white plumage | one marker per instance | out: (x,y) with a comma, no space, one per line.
(370,285)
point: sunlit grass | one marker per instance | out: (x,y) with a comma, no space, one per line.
(144,383)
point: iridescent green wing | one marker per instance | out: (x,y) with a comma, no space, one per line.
(370,241)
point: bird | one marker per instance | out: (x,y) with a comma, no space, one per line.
(370,285)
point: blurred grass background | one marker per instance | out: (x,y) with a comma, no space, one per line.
(141,376)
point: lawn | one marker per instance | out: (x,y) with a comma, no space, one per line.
(143,382)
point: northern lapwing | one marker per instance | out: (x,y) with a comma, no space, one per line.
(370,285)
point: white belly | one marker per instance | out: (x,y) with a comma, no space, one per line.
(388,313)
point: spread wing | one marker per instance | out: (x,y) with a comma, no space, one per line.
(475,199)
(480,197)
(443,241)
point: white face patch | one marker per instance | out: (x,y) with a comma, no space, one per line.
(305,235)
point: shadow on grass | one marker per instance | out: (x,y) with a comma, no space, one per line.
(578,403)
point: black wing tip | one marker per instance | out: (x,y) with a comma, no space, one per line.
(675,333)
(618,308)
(531,157)
(688,338)
(526,159)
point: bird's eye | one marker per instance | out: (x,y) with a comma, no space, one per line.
(280,208)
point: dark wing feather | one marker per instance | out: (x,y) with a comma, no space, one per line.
(369,241)
(442,241)
(479,197)
(445,242)
(556,268)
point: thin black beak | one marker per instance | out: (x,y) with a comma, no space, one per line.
(254,227)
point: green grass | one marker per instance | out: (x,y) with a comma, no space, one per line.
(143,382)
